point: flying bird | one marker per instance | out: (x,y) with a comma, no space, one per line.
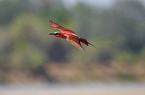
(69,35)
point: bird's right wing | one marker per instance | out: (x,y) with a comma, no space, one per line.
(58,27)
(74,40)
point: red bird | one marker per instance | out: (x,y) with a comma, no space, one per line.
(69,35)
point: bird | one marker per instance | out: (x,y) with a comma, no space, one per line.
(69,35)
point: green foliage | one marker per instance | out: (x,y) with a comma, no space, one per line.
(27,41)
(7,13)
(117,32)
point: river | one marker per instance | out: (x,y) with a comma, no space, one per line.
(74,89)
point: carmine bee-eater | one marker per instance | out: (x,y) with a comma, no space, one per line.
(69,35)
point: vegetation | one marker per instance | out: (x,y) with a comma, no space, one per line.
(28,52)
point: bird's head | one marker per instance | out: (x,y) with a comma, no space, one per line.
(58,34)
(55,34)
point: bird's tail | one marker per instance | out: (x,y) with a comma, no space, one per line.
(86,42)
(92,45)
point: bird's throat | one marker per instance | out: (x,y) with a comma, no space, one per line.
(60,36)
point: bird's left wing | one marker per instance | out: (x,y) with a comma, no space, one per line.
(58,27)
(74,40)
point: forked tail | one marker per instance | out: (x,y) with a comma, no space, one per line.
(86,42)
(92,45)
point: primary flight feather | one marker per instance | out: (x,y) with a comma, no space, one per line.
(69,35)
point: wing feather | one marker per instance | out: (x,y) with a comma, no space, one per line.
(74,40)
(58,27)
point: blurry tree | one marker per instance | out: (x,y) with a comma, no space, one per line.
(122,25)
(104,56)
(8,10)
(26,43)
(125,21)
(134,32)
(117,32)
(57,52)
(54,10)
(85,18)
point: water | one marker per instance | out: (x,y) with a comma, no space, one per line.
(74,89)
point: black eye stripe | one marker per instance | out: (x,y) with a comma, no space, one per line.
(57,33)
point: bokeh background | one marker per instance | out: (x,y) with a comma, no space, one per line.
(29,55)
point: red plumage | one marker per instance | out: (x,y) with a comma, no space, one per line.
(69,35)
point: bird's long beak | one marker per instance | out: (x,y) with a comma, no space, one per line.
(51,34)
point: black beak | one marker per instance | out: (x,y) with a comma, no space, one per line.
(51,34)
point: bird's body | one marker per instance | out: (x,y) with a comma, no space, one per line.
(69,35)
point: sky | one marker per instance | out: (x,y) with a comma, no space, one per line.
(104,3)
(100,3)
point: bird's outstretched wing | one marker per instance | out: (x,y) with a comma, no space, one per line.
(74,40)
(58,27)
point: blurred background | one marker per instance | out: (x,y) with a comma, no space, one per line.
(29,55)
